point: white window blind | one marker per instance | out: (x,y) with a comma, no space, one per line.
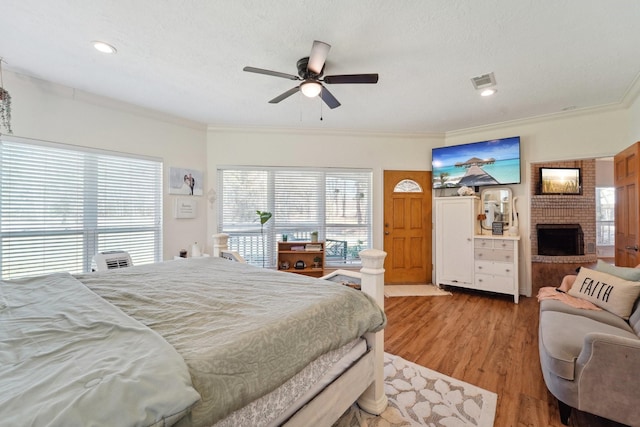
(334,202)
(60,205)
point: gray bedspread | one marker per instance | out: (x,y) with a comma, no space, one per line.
(243,331)
(69,358)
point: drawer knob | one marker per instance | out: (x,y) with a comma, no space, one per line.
(479,267)
(507,270)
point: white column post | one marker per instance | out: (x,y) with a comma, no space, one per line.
(373,400)
(220,243)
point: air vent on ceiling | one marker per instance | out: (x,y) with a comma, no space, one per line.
(483,81)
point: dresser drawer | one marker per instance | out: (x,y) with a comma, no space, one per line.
(503,244)
(482,243)
(493,244)
(495,268)
(493,283)
(493,255)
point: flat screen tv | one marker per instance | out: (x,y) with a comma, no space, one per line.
(565,181)
(477,164)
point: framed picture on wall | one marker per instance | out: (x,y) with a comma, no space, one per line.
(185,181)
(561,181)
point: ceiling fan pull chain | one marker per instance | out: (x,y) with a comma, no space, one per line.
(320,100)
(300,105)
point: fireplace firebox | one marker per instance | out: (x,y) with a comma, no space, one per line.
(560,239)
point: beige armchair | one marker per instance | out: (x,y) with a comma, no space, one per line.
(590,361)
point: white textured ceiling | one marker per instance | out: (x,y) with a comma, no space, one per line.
(185,57)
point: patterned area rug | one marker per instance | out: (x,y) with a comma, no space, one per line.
(413,290)
(419,396)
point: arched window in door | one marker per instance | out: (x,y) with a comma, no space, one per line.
(407,186)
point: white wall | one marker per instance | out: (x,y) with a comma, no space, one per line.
(378,152)
(46,111)
(634,120)
(604,172)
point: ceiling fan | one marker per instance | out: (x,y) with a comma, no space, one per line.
(310,72)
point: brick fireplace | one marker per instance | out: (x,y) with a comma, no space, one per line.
(568,217)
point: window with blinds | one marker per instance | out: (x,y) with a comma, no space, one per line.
(334,202)
(60,205)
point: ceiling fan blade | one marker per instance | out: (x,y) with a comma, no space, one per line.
(271,73)
(318,56)
(351,78)
(329,99)
(284,95)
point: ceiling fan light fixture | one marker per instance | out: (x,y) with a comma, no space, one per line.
(310,88)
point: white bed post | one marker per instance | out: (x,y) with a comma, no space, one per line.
(220,243)
(373,400)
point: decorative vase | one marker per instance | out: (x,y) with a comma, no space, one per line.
(195,250)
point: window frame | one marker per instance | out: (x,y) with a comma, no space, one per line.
(273,230)
(96,198)
(605,218)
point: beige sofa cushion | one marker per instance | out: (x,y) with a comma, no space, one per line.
(562,338)
(609,292)
(602,316)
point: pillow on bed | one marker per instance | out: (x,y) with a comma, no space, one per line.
(626,273)
(609,292)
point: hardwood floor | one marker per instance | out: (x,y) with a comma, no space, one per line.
(485,340)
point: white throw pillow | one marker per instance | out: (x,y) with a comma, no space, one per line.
(609,292)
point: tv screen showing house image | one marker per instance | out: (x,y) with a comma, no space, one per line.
(493,162)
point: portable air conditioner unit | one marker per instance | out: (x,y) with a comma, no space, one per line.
(110,260)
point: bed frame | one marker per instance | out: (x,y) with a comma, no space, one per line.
(363,382)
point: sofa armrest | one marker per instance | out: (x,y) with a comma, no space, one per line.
(606,372)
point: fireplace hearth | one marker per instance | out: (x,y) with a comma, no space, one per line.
(560,239)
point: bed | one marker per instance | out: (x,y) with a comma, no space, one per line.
(192,342)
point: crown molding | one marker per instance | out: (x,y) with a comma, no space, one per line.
(561,115)
(632,93)
(326,132)
(103,101)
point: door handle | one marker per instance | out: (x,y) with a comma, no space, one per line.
(634,247)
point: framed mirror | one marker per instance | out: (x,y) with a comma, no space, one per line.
(496,203)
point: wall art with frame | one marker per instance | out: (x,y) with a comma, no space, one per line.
(185,181)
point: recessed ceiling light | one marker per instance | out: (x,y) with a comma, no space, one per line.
(488,92)
(104,47)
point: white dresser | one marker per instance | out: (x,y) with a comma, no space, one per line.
(496,264)
(467,259)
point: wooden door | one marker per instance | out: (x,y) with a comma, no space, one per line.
(627,185)
(407,226)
